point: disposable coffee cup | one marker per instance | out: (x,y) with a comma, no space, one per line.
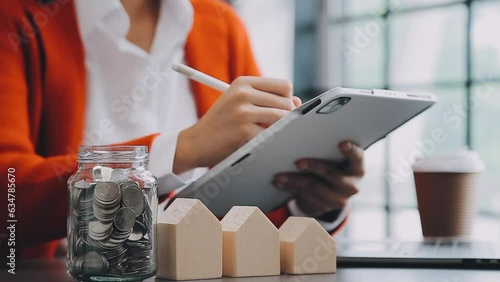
(447,193)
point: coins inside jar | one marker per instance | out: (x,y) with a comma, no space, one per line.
(133,198)
(111,226)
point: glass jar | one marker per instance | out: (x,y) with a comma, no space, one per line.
(113,206)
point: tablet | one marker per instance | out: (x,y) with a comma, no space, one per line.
(312,130)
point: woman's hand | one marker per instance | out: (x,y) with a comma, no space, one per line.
(243,111)
(322,186)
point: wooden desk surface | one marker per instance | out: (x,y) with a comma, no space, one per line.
(55,270)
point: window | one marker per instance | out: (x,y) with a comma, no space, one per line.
(449,48)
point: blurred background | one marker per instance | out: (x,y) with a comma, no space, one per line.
(449,48)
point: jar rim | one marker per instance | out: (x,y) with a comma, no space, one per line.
(112,153)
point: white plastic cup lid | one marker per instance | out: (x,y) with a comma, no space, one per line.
(464,161)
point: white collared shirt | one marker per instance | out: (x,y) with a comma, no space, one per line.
(132,93)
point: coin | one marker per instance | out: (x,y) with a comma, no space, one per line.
(75,196)
(102,244)
(94,263)
(132,197)
(147,216)
(114,253)
(105,214)
(99,231)
(128,183)
(124,219)
(77,265)
(99,227)
(106,191)
(83,198)
(137,232)
(139,256)
(80,247)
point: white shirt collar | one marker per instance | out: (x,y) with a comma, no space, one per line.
(111,16)
(176,18)
(91,12)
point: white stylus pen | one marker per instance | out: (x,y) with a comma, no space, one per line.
(200,77)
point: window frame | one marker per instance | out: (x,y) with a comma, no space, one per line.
(307,27)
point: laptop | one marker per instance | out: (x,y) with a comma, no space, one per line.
(444,252)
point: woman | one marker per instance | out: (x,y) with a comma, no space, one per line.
(98,72)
